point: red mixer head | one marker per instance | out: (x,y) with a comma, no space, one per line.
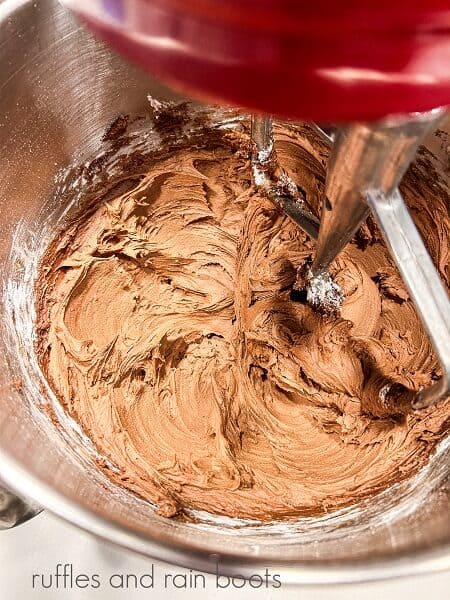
(324,60)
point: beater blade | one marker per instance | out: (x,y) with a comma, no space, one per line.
(274,182)
(366,165)
(422,280)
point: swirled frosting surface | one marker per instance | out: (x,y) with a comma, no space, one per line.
(167,330)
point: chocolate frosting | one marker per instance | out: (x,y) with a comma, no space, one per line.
(167,330)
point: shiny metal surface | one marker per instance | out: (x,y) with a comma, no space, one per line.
(14,510)
(366,165)
(374,158)
(283,193)
(422,279)
(364,156)
(59,91)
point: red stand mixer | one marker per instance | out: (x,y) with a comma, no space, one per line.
(325,60)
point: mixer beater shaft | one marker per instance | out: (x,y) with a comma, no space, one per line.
(364,156)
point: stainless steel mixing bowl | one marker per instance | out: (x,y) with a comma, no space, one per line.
(59,90)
